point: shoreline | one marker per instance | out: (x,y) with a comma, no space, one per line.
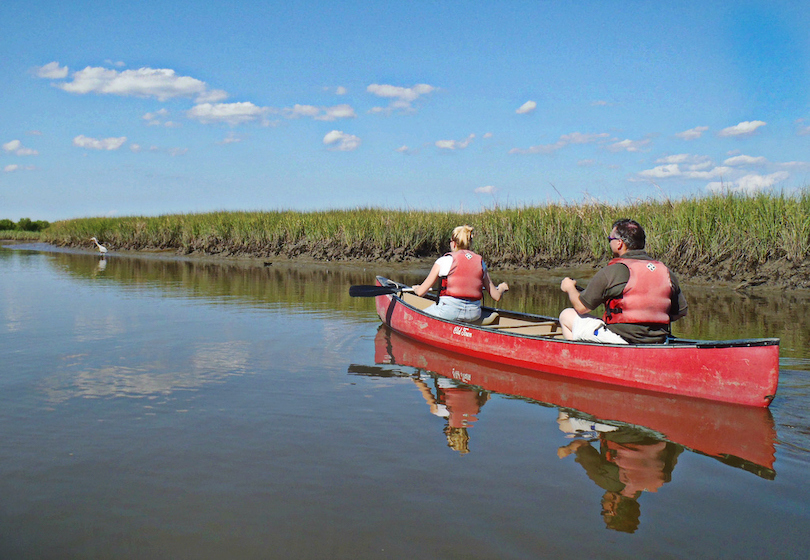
(771,276)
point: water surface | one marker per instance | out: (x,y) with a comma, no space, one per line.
(157,408)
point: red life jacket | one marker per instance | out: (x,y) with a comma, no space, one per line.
(647,296)
(466,277)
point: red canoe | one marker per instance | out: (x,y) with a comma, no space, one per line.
(735,371)
(741,436)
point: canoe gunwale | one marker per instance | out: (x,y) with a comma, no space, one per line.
(673,342)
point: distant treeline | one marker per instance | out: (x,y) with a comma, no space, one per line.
(717,236)
(25,224)
(25,229)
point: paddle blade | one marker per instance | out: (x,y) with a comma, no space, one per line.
(371,291)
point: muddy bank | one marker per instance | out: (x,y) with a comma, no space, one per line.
(773,274)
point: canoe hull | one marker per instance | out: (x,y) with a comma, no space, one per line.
(743,436)
(741,372)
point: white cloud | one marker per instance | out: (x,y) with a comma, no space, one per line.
(157,114)
(489,189)
(455,144)
(16,147)
(401,97)
(212,96)
(527,107)
(803,130)
(337,112)
(711,174)
(579,138)
(692,162)
(136,148)
(586,163)
(160,83)
(339,141)
(119,63)
(565,140)
(403,150)
(12,145)
(742,129)
(745,160)
(340,90)
(95,144)
(692,133)
(301,111)
(14,167)
(749,184)
(662,172)
(675,158)
(696,170)
(230,113)
(320,113)
(488,135)
(156,118)
(700,166)
(629,145)
(230,139)
(795,164)
(52,71)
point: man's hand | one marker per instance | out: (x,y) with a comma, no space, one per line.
(568,284)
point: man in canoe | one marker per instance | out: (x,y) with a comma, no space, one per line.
(464,278)
(641,296)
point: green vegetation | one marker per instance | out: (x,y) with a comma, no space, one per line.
(715,235)
(25,224)
(24,229)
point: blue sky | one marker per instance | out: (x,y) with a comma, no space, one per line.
(147,108)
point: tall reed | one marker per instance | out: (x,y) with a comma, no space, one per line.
(730,231)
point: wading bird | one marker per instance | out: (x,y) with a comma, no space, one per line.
(101,248)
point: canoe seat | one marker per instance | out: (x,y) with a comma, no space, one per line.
(416,301)
(550,329)
(488,319)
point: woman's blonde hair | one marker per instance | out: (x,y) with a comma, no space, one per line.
(462,235)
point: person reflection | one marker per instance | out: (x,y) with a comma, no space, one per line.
(458,404)
(626,464)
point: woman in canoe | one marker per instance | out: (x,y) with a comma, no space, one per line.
(464,278)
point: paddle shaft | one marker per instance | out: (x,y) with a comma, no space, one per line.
(374,291)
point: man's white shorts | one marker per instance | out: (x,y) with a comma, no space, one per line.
(592,329)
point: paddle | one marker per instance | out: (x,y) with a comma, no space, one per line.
(374,291)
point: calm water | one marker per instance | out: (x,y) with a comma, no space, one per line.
(153,408)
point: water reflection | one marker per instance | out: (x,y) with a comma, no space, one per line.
(458,404)
(628,442)
(714,314)
(314,287)
(80,377)
(624,462)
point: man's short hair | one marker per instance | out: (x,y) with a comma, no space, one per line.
(631,233)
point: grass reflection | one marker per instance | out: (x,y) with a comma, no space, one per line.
(714,313)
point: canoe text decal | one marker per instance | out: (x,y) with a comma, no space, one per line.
(462,331)
(461,376)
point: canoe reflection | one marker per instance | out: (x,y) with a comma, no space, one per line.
(627,441)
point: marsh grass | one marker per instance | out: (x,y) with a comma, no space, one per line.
(727,232)
(20,235)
